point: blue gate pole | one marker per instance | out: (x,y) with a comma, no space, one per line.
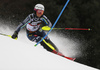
(54,23)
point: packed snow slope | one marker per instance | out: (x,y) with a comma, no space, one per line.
(18,55)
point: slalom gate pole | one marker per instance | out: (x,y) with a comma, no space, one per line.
(54,23)
(74,28)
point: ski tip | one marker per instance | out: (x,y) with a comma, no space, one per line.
(73,59)
(70,58)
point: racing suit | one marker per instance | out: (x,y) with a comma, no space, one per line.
(33,30)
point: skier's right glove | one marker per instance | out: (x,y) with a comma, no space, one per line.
(15,35)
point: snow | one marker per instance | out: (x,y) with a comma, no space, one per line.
(22,55)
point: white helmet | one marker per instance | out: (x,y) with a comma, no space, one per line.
(39,6)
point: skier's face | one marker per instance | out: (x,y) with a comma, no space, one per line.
(39,13)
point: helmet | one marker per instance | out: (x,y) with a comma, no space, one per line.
(39,7)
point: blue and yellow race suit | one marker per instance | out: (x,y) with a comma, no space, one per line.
(34,31)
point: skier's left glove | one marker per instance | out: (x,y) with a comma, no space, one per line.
(15,35)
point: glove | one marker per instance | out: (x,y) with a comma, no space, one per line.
(15,35)
(47,28)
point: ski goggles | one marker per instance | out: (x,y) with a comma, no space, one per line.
(40,11)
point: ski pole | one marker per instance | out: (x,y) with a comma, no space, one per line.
(46,28)
(7,35)
(54,23)
(74,28)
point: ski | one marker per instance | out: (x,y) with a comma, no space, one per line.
(70,58)
(60,54)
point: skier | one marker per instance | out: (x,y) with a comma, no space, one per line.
(33,29)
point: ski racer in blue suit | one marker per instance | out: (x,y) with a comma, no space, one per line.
(33,29)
